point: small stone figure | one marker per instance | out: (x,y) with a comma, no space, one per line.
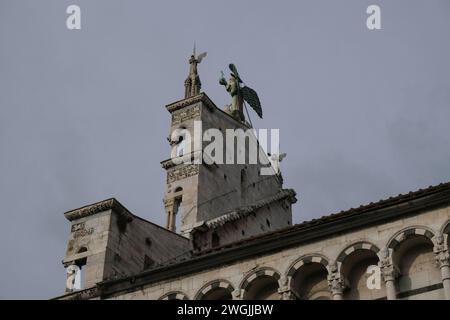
(192,84)
(275,159)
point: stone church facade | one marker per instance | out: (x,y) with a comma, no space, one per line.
(229,235)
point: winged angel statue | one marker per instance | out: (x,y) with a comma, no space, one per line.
(239,95)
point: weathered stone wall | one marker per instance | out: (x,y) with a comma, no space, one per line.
(87,244)
(334,267)
(186,216)
(268,218)
(209,191)
(228,186)
(140,245)
(109,242)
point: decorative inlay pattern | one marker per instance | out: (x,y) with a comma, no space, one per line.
(186,114)
(182,172)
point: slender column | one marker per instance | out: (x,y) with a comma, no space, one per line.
(169,205)
(172,222)
(335,282)
(167,219)
(337,289)
(389,272)
(443,261)
(389,275)
(445,273)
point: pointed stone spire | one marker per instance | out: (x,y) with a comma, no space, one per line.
(192,84)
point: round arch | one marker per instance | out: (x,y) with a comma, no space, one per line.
(262,284)
(304,260)
(360,245)
(402,235)
(174,295)
(413,255)
(445,230)
(308,278)
(215,290)
(353,263)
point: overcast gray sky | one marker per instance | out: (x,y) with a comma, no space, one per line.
(363,115)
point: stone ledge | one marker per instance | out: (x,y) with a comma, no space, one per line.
(202,97)
(193,157)
(89,210)
(84,294)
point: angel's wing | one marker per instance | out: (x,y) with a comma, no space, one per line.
(234,71)
(251,97)
(201,56)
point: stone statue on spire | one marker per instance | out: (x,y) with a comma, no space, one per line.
(192,84)
(239,95)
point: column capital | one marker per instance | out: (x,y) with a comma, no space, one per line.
(169,202)
(385,257)
(389,272)
(441,252)
(336,282)
(286,294)
(237,294)
(285,288)
(443,258)
(336,285)
(388,269)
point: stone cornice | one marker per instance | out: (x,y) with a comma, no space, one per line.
(241,212)
(89,210)
(84,294)
(193,157)
(202,97)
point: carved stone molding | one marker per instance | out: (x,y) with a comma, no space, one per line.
(336,282)
(439,243)
(85,294)
(285,288)
(182,172)
(440,249)
(109,204)
(286,294)
(443,259)
(336,285)
(193,157)
(186,114)
(389,272)
(202,97)
(388,269)
(169,202)
(241,212)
